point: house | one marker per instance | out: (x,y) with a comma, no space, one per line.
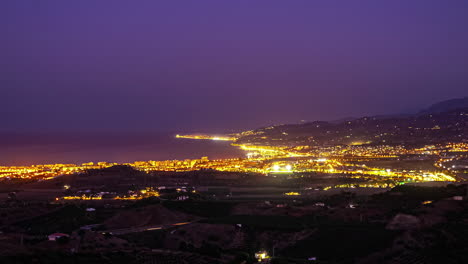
(182,198)
(55,236)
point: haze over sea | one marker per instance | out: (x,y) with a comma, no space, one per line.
(77,148)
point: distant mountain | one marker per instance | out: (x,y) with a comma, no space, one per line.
(446,106)
(440,107)
(445,121)
(421,129)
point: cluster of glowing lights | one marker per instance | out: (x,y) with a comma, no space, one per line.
(278,168)
(292,194)
(83,197)
(145,193)
(207,137)
(360,185)
(262,255)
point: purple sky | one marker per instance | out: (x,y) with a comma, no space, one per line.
(212,65)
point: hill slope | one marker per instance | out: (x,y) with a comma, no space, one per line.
(451,126)
(446,106)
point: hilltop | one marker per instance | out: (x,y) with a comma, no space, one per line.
(443,122)
(115,177)
(445,106)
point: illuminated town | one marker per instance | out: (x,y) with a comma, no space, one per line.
(285,180)
(269,160)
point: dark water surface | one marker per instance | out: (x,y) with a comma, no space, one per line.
(28,149)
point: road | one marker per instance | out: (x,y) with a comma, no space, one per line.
(138,229)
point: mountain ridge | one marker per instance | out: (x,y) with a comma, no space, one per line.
(431,127)
(446,105)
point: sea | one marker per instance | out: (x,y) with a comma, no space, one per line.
(24,149)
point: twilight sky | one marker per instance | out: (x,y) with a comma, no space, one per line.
(213,65)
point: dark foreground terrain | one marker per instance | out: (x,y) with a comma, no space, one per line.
(406,224)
